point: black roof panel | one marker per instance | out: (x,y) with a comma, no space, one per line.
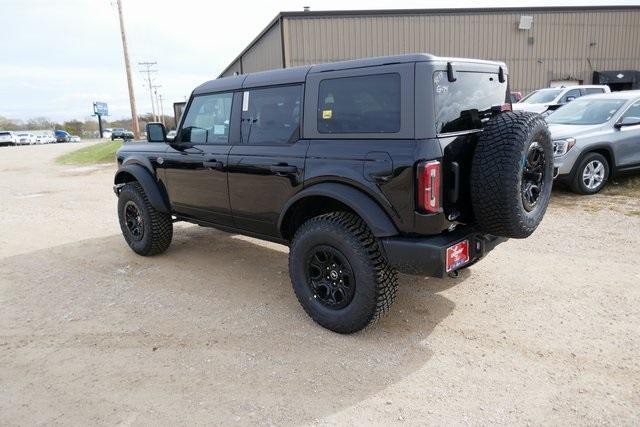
(221,84)
(278,76)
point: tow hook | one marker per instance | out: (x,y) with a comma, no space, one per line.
(454,274)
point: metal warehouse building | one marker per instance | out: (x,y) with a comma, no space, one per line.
(542,46)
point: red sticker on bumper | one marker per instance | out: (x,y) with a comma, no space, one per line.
(457,255)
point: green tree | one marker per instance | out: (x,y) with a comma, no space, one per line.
(74,127)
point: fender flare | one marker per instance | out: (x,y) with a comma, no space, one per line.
(590,149)
(362,204)
(148,183)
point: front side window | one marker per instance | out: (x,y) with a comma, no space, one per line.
(207,120)
(271,115)
(586,111)
(573,93)
(469,101)
(633,111)
(363,104)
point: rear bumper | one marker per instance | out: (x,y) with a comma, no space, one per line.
(426,256)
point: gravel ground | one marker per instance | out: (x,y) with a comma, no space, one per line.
(543,331)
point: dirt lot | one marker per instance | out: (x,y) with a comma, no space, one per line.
(545,330)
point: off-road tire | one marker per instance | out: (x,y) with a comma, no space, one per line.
(577,184)
(497,172)
(375,281)
(157,226)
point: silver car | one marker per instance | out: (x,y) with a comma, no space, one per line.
(596,137)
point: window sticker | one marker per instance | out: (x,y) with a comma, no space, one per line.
(327,114)
(245,101)
(219,129)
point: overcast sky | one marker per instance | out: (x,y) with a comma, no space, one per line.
(57,57)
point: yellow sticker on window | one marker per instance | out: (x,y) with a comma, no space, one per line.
(326,114)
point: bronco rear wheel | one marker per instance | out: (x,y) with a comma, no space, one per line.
(338,273)
(512,174)
(146,230)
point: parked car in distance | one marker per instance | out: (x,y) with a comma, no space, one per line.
(62,136)
(364,168)
(515,97)
(120,133)
(7,138)
(44,138)
(74,138)
(595,138)
(106,133)
(545,101)
(25,139)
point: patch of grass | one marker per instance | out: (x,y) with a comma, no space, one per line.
(102,152)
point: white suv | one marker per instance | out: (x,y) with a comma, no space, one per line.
(545,101)
(7,138)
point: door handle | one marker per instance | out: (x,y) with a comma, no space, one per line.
(283,169)
(212,164)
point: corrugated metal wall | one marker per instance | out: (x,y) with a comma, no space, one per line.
(265,54)
(560,45)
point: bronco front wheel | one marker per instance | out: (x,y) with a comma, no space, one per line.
(146,230)
(338,273)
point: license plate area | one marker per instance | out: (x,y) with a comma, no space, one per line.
(457,255)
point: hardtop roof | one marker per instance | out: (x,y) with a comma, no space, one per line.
(299,74)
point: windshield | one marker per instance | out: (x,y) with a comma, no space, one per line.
(541,96)
(586,111)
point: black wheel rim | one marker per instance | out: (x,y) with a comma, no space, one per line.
(330,277)
(133,220)
(533,174)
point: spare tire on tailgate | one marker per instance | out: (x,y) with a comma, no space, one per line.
(512,174)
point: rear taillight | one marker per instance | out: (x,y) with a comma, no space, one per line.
(429,178)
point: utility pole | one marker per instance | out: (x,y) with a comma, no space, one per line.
(132,98)
(147,68)
(162,110)
(155,93)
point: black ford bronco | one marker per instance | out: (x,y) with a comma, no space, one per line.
(364,168)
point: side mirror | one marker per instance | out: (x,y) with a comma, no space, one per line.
(156,132)
(627,121)
(570,98)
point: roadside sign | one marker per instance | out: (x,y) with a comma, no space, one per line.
(100,108)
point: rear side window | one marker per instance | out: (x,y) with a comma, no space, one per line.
(207,120)
(271,115)
(591,90)
(363,104)
(468,102)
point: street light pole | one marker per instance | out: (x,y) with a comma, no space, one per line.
(132,98)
